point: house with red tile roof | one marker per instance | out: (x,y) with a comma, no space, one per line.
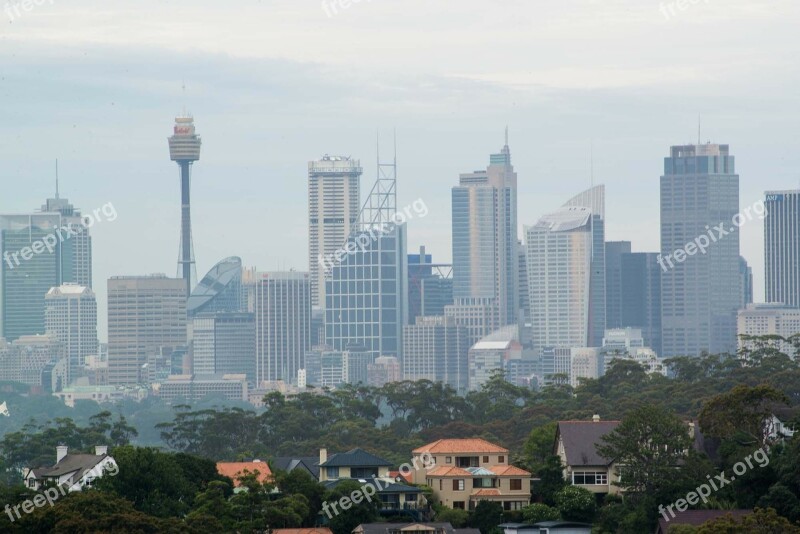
(234,470)
(463,472)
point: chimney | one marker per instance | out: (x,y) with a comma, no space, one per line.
(596,418)
(323,456)
(100,450)
(61,452)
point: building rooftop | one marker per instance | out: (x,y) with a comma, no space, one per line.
(580,439)
(234,469)
(470,445)
(355,458)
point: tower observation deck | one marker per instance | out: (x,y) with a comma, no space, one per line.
(184,149)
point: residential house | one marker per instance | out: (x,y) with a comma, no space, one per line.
(576,444)
(234,470)
(466,471)
(368,469)
(74,471)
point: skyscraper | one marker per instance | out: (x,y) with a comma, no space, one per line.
(594,198)
(220,290)
(184,149)
(146,321)
(701,294)
(782,247)
(39,251)
(224,343)
(283,324)
(430,286)
(436,349)
(560,249)
(614,282)
(71,316)
(746,273)
(366,294)
(333,207)
(485,260)
(641,296)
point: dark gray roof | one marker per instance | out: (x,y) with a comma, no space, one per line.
(288,464)
(386,486)
(355,458)
(581,438)
(70,463)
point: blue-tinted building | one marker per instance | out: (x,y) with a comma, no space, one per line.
(782,247)
(430,286)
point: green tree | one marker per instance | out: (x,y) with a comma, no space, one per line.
(741,413)
(457,518)
(551,480)
(650,444)
(487,516)
(760,521)
(576,504)
(345,521)
(539,446)
(536,512)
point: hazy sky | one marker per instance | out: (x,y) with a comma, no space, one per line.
(273,84)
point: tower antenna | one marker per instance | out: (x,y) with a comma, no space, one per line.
(56,178)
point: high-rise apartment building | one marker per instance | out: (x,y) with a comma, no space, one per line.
(614,282)
(333,209)
(700,292)
(485,256)
(436,349)
(782,247)
(71,316)
(146,322)
(770,319)
(283,324)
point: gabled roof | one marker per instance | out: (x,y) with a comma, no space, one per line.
(315,530)
(487,492)
(456,446)
(70,464)
(383,528)
(448,471)
(580,440)
(233,470)
(289,464)
(509,470)
(355,458)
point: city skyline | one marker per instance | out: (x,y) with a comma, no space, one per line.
(577,100)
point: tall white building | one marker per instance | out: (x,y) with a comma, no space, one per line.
(283,324)
(70,315)
(559,278)
(333,208)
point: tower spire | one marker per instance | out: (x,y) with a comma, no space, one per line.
(56,178)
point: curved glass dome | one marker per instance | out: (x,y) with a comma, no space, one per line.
(220,290)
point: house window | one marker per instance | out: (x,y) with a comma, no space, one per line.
(363,472)
(486,459)
(332,472)
(501,459)
(483,483)
(516,484)
(440,484)
(589,478)
(458,484)
(448,459)
(458,505)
